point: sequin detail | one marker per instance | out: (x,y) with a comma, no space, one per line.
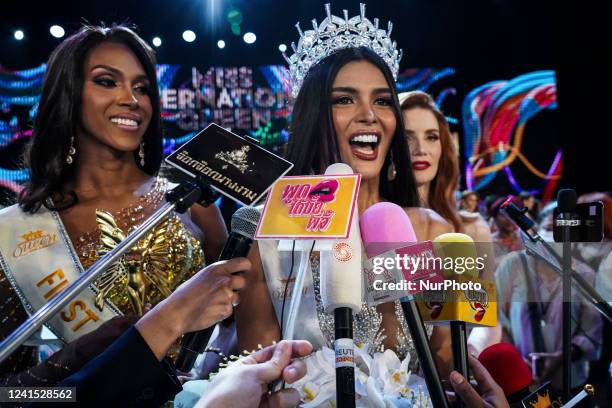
(175,253)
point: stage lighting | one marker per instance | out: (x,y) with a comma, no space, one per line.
(19,35)
(221,44)
(57,31)
(282,48)
(157,41)
(189,36)
(249,38)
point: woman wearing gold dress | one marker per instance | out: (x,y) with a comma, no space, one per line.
(94,158)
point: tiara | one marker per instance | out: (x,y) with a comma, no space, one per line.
(335,33)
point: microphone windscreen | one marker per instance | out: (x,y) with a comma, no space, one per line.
(566,200)
(339,168)
(245,220)
(385,226)
(341,267)
(505,364)
(456,245)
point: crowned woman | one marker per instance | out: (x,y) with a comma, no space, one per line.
(346,109)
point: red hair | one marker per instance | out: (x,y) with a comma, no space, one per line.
(442,189)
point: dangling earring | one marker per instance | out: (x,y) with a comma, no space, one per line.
(141,154)
(71,151)
(391,172)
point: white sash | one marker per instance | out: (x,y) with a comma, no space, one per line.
(39,260)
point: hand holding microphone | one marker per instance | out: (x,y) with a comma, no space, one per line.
(210,295)
(489,394)
(197,304)
(244,224)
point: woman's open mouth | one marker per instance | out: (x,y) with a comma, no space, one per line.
(365,146)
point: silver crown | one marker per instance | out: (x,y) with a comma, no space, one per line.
(336,33)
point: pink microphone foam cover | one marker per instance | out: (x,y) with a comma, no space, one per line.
(385,226)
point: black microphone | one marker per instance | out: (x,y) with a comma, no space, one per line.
(518,216)
(243,227)
(566,202)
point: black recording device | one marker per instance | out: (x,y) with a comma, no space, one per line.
(586,223)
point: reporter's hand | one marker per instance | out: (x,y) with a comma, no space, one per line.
(244,384)
(198,303)
(491,394)
(208,297)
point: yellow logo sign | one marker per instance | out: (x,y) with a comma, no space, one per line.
(309,207)
(33,241)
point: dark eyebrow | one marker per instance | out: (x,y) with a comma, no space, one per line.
(141,77)
(354,91)
(346,89)
(381,90)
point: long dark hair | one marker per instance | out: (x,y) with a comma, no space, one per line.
(59,115)
(312,144)
(442,190)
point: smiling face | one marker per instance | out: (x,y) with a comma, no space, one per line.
(363,117)
(423,133)
(116,108)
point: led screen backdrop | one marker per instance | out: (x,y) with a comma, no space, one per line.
(248,100)
(491,122)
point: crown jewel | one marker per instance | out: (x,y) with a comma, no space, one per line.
(335,33)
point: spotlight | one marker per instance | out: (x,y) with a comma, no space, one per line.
(19,35)
(157,41)
(221,44)
(282,48)
(189,36)
(249,38)
(57,31)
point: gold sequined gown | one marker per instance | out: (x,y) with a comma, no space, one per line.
(170,255)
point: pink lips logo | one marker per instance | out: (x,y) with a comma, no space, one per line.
(480,311)
(436,309)
(325,191)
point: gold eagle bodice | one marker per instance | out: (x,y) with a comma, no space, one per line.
(169,255)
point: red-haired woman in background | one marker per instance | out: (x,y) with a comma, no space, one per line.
(436,170)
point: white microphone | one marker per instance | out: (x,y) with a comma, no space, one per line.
(341,292)
(341,280)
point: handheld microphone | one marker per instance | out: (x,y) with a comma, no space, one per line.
(455,246)
(341,292)
(386,226)
(517,215)
(566,202)
(505,364)
(243,227)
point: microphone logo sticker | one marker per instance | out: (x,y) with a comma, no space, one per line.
(345,353)
(343,252)
(479,302)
